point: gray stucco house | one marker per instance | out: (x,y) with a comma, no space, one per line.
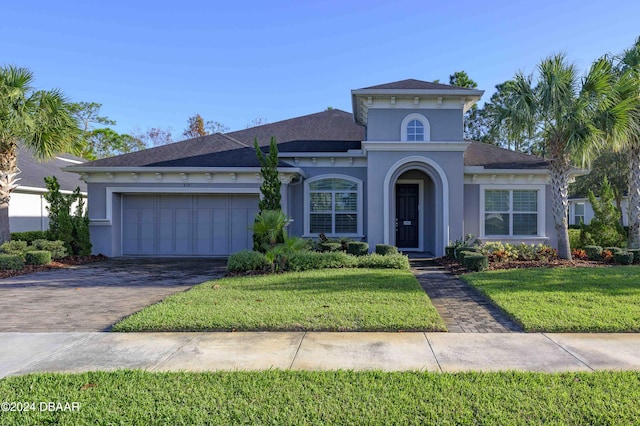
(396,171)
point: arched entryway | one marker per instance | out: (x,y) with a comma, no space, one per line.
(416,203)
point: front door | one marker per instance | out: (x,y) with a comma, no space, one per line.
(407,231)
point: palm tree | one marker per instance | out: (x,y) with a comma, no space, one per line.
(629,72)
(40,120)
(572,114)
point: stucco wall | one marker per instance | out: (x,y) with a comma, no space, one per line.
(381,164)
(385,124)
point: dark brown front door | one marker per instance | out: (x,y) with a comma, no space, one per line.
(407,216)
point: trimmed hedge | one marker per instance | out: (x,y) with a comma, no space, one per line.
(37,257)
(460,249)
(623,258)
(330,247)
(636,255)
(56,248)
(11,261)
(389,261)
(386,249)
(14,247)
(613,250)
(29,236)
(246,260)
(474,261)
(307,260)
(358,248)
(593,252)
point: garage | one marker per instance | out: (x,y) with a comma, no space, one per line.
(187,225)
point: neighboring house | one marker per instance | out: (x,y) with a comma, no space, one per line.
(27,207)
(581,211)
(396,171)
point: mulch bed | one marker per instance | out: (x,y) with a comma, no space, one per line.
(457,269)
(56,264)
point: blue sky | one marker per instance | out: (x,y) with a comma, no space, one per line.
(154,64)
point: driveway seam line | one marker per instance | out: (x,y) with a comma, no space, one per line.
(432,351)
(172,354)
(569,352)
(297,350)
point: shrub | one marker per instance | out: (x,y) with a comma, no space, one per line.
(389,261)
(579,254)
(307,260)
(11,261)
(245,261)
(636,255)
(14,247)
(593,252)
(460,249)
(268,229)
(56,248)
(385,249)
(498,252)
(623,257)
(330,246)
(475,261)
(613,249)
(450,252)
(545,252)
(358,248)
(64,225)
(37,257)
(574,238)
(607,256)
(29,236)
(605,228)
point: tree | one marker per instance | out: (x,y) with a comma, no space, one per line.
(474,123)
(155,136)
(195,128)
(40,120)
(258,121)
(107,143)
(270,204)
(605,229)
(629,71)
(573,116)
(215,127)
(614,166)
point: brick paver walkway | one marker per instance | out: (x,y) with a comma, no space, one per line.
(463,309)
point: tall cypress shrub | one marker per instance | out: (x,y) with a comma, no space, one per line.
(270,188)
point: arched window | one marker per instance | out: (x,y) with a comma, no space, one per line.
(333,206)
(415,128)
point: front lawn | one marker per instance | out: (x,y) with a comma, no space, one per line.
(336,397)
(603,299)
(321,300)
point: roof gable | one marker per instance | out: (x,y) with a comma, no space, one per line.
(412,84)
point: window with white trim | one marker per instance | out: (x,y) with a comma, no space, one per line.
(415,131)
(578,213)
(510,212)
(333,206)
(415,128)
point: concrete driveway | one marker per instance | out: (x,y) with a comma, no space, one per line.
(93,297)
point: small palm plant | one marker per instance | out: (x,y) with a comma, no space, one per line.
(269,229)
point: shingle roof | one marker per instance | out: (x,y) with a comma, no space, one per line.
(412,84)
(33,172)
(310,132)
(494,157)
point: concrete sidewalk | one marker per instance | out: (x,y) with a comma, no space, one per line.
(22,353)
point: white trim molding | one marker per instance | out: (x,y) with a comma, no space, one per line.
(439,146)
(442,190)
(307,207)
(422,119)
(541,219)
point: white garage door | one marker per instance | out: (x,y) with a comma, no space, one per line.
(179,225)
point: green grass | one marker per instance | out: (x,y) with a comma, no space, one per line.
(326,300)
(566,300)
(339,397)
